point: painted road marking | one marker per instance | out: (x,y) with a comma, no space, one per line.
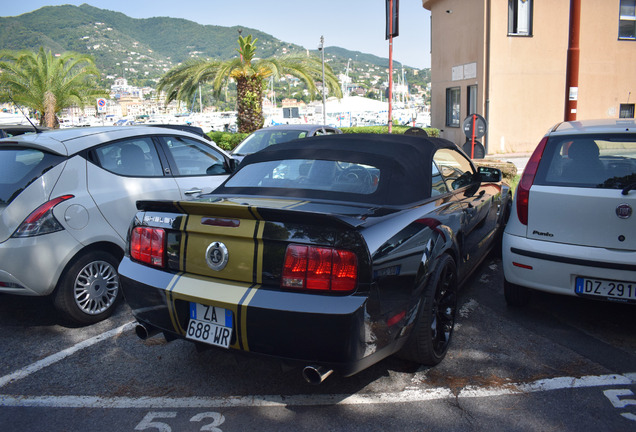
(412,395)
(54,358)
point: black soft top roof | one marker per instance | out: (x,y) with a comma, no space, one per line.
(405,163)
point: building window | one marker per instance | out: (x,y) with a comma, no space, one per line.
(627,20)
(452,106)
(626,111)
(519,17)
(472,100)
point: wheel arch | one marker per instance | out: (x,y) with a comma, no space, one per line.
(111,248)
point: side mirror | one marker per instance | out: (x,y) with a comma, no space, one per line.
(232,165)
(490,175)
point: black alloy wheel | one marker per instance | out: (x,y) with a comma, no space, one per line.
(431,336)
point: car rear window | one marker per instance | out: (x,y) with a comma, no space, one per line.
(19,167)
(591,161)
(308,174)
(264,138)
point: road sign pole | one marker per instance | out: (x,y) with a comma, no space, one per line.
(391,67)
(472,147)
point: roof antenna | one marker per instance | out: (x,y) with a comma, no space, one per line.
(26,116)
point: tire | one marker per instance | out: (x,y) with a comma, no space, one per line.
(89,288)
(431,335)
(516,295)
(497,248)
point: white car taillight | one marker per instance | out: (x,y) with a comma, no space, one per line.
(41,220)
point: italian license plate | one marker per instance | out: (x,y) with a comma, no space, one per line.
(210,324)
(606,288)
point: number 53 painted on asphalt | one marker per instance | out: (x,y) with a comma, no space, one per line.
(614,398)
(148,423)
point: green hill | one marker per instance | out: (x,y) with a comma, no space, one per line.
(116,41)
(142,50)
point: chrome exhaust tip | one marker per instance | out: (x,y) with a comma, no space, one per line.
(316,374)
(144,332)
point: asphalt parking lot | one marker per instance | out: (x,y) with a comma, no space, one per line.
(560,364)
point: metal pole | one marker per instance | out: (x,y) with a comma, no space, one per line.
(390,66)
(324,104)
(572,72)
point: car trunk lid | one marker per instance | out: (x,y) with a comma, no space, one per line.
(245,240)
(582,216)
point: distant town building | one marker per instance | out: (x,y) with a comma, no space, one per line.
(507,61)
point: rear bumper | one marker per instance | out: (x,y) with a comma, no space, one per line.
(555,266)
(32,266)
(331,331)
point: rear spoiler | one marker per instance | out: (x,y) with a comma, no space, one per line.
(245,211)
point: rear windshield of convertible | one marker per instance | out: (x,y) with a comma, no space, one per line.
(363,168)
(310,175)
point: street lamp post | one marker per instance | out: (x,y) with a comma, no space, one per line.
(324,105)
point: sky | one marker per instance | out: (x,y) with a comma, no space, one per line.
(357,25)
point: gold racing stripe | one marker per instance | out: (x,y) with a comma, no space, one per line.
(170,303)
(257,280)
(223,294)
(244,276)
(169,297)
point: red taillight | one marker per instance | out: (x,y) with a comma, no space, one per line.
(147,245)
(319,268)
(41,220)
(523,189)
(40,211)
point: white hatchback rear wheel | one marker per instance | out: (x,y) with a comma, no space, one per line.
(89,289)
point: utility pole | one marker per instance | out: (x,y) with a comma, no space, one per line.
(572,72)
(392,7)
(324,105)
(391,67)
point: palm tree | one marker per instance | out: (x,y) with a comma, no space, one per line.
(250,73)
(47,83)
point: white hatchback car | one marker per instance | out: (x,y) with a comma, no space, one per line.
(67,198)
(573,228)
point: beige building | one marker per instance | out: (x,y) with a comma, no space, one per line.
(507,61)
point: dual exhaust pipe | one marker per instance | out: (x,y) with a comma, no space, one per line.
(312,374)
(316,374)
(144,332)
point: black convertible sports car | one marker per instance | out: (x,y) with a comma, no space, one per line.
(335,254)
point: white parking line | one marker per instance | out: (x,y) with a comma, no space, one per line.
(54,358)
(411,394)
(419,395)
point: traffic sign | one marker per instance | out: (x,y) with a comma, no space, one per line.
(474,127)
(474,123)
(101,105)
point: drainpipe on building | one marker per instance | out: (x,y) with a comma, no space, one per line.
(487,74)
(572,72)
